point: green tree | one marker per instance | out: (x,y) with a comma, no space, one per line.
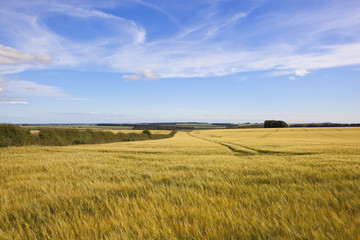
(275,124)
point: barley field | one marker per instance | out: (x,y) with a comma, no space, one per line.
(293,183)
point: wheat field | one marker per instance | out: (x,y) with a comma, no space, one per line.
(207,184)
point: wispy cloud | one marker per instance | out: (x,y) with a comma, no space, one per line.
(32,32)
(301,72)
(10,56)
(159,9)
(31,89)
(212,44)
(14,103)
(145,74)
(13,88)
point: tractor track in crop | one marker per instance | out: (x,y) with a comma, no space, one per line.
(249,150)
(269,134)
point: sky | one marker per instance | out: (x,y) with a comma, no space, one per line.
(121,61)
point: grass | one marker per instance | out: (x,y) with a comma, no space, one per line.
(208,184)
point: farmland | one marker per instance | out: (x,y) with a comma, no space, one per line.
(301,183)
(83,126)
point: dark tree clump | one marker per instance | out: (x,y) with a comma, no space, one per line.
(275,124)
(147,132)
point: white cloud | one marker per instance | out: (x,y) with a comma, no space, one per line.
(237,16)
(132,77)
(292,78)
(210,44)
(145,74)
(173,60)
(11,90)
(10,56)
(13,102)
(148,74)
(301,72)
(31,89)
(42,58)
(25,89)
(30,33)
(191,54)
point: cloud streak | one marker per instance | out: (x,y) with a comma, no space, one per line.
(10,56)
(145,74)
(30,89)
(13,103)
(301,72)
(11,89)
(211,44)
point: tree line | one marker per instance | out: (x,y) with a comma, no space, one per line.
(13,135)
(275,124)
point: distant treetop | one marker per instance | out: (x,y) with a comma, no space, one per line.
(275,124)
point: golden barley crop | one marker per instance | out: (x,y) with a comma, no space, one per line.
(294,183)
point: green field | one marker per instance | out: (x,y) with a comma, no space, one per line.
(37,127)
(301,183)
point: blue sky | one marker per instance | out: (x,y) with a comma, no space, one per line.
(200,60)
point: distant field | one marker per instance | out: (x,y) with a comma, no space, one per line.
(37,127)
(200,126)
(138,131)
(301,183)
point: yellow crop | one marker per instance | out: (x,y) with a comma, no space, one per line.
(294,183)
